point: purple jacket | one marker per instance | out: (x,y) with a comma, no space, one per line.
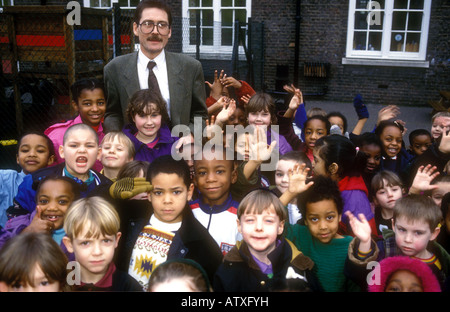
(283,145)
(16,225)
(143,152)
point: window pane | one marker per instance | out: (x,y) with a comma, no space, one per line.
(193,17)
(399,20)
(206,3)
(134,3)
(227,36)
(416,4)
(400,4)
(194,3)
(375,41)
(360,20)
(95,3)
(227,3)
(412,42)
(123,3)
(397,40)
(207,36)
(227,17)
(359,41)
(207,17)
(362,4)
(415,21)
(106,3)
(240,3)
(241,16)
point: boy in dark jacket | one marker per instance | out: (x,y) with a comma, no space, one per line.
(264,260)
(167,229)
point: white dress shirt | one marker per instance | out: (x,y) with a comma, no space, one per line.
(160,71)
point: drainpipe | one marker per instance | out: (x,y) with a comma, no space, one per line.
(297,43)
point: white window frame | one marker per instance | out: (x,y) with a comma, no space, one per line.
(217,48)
(385,56)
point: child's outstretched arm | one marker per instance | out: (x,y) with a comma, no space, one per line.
(362,230)
(362,112)
(297,183)
(295,102)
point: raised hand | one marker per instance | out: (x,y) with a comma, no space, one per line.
(297,98)
(361,229)
(228,82)
(245,99)
(258,147)
(388,112)
(297,179)
(216,87)
(297,183)
(423,178)
(227,110)
(295,102)
(444,146)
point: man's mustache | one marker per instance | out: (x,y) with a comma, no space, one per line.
(154,38)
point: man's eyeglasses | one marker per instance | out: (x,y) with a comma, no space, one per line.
(148,26)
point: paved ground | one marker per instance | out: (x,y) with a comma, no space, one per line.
(414,117)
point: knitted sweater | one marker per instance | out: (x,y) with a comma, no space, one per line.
(329,258)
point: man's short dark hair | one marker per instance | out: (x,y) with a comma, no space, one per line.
(145,4)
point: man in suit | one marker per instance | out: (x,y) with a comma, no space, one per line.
(179,77)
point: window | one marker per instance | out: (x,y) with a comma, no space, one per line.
(217,18)
(388,29)
(98,3)
(127,3)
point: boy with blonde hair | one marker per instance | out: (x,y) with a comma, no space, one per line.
(264,260)
(92,234)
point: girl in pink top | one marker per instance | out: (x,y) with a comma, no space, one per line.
(90,102)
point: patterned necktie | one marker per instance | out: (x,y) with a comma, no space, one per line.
(152,81)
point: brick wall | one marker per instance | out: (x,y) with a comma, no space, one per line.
(323,36)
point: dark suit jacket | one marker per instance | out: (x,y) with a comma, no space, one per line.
(186,89)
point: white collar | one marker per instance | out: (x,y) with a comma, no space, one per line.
(159,60)
(166,227)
